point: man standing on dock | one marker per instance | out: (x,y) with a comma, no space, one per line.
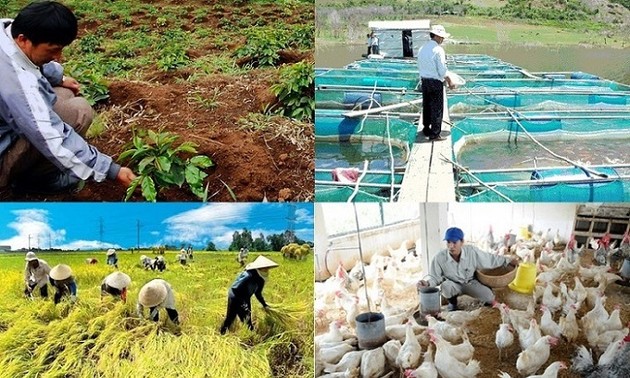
(432,69)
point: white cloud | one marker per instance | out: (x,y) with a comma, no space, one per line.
(32,229)
(87,244)
(155,233)
(304,216)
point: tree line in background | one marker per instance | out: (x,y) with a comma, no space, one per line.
(348,18)
(273,242)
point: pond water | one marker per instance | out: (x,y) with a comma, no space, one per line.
(499,154)
(336,154)
(609,63)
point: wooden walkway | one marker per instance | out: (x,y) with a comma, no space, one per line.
(428,178)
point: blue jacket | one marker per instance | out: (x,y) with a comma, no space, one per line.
(26,110)
(248,283)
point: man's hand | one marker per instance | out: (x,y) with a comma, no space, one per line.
(72,84)
(514,261)
(422,283)
(125,176)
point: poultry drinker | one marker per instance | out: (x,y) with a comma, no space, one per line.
(370,330)
(525,278)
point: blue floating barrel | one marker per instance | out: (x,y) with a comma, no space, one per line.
(579,75)
(365,100)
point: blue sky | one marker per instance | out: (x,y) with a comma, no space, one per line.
(78,225)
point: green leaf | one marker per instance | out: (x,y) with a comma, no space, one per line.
(193,175)
(153,136)
(137,142)
(126,154)
(143,164)
(201,161)
(148,189)
(132,187)
(163,163)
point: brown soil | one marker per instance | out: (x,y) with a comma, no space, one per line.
(272,161)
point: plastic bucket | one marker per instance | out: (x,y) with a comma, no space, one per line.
(429,300)
(525,278)
(524,233)
(370,329)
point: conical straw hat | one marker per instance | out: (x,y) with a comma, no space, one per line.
(152,294)
(111,251)
(60,272)
(30,256)
(261,262)
(118,280)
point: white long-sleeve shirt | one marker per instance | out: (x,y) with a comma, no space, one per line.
(432,61)
(38,275)
(472,258)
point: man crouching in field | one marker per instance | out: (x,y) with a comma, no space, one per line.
(63,282)
(249,282)
(36,275)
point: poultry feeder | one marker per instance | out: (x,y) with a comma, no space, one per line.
(525,278)
(371,330)
(625,270)
(429,301)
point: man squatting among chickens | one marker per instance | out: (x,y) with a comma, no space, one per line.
(454,269)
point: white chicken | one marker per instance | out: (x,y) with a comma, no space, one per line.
(349,373)
(350,360)
(350,305)
(547,325)
(449,332)
(568,325)
(462,352)
(611,351)
(551,371)
(578,293)
(448,366)
(427,369)
(613,323)
(373,363)
(401,252)
(460,318)
(333,334)
(534,357)
(391,350)
(552,302)
(333,354)
(504,338)
(528,337)
(410,352)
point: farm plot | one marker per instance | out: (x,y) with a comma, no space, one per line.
(105,338)
(235,78)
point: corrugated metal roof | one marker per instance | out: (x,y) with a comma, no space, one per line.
(400,25)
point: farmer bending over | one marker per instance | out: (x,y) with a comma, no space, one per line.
(159,263)
(249,282)
(242,256)
(36,275)
(62,281)
(112,259)
(155,294)
(116,285)
(454,268)
(41,119)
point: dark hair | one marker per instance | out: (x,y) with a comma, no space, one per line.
(46,22)
(431,35)
(111,290)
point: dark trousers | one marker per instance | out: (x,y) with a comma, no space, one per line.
(154,314)
(237,307)
(432,107)
(43,291)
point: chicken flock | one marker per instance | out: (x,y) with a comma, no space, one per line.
(567,309)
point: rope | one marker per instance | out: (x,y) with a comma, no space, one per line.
(367,298)
(369,107)
(356,186)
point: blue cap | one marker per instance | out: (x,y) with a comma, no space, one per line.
(454,234)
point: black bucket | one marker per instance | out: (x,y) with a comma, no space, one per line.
(371,330)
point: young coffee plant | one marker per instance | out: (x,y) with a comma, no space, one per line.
(296,91)
(159,164)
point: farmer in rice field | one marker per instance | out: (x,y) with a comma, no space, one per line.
(432,69)
(189,252)
(155,294)
(182,256)
(63,282)
(112,259)
(116,284)
(242,256)
(249,282)
(36,274)
(42,120)
(159,263)
(146,262)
